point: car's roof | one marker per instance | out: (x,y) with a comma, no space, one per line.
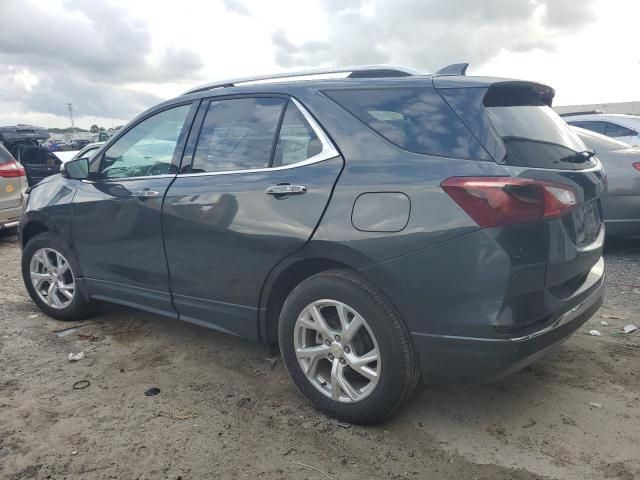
(297,85)
(287,85)
(282,84)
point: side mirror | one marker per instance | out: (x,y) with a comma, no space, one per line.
(77,169)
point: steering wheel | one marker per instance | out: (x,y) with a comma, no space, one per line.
(160,169)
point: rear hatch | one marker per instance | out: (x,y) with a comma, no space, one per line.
(551,259)
(16,133)
(539,145)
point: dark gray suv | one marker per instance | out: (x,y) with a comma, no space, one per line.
(381,227)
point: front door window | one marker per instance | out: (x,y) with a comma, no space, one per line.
(147,149)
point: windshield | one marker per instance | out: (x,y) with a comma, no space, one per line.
(535,136)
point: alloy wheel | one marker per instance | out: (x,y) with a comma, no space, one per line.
(337,351)
(52,278)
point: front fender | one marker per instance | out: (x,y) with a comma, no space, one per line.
(48,205)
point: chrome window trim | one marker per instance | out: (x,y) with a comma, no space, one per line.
(126,179)
(328,151)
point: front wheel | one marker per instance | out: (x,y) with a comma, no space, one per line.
(48,275)
(346,349)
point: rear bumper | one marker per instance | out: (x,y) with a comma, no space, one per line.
(10,217)
(622,228)
(448,359)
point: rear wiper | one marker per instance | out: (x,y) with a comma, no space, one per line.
(578,157)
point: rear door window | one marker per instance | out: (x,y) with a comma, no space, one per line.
(598,127)
(413,118)
(615,130)
(238,134)
(296,141)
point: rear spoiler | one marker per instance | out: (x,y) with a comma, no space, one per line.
(518,93)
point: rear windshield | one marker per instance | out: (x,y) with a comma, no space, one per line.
(535,136)
(413,118)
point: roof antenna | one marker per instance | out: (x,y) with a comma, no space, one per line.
(454,69)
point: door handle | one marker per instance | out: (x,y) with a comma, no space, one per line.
(285,189)
(146,193)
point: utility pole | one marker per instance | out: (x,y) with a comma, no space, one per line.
(70,108)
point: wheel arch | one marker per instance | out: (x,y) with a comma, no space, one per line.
(282,285)
(316,257)
(30,230)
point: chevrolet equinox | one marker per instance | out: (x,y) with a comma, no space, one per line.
(380,225)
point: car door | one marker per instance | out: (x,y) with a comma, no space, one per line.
(250,192)
(116,219)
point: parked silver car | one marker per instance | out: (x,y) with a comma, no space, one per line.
(621,204)
(13,184)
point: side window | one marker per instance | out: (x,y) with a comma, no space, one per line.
(297,141)
(416,119)
(147,149)
(598,127)
(238,134)
(614,130)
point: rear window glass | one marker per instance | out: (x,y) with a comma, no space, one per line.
(535,136)
(413,118)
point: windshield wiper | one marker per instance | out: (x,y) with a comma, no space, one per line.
(578,157)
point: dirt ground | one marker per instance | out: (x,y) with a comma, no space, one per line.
(224,411)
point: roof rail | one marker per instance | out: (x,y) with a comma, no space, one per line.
(454,69)
(361,71)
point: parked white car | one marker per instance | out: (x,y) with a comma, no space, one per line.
(621,127)
(89,151)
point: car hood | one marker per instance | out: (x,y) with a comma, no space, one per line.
(49,179)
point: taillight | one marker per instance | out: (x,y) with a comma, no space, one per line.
(636,165)
(11,169)
(495,201)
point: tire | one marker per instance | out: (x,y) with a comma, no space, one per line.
(60,308)
(370,399)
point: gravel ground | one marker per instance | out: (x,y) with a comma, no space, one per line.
(224,411)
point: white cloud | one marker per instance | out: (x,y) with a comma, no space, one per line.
(114,58)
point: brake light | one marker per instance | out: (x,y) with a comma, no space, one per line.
(496,201)
(12,169)
(636,165)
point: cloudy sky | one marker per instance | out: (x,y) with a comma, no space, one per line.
(113,59)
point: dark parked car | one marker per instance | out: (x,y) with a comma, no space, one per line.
(621,161)
(381,228)
(23,142)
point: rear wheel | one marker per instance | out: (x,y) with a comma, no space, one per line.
(346,348)
(48,275)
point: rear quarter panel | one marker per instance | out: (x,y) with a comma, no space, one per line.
(372,164)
